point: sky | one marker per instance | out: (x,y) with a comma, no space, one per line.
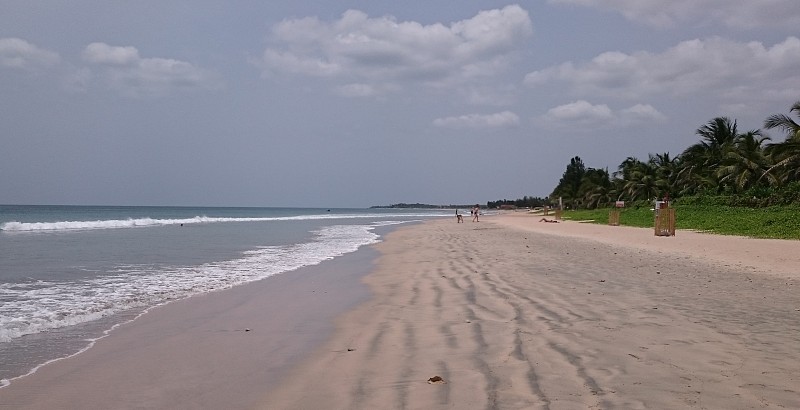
(372,102)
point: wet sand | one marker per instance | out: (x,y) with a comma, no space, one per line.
(198,353)
(515,314)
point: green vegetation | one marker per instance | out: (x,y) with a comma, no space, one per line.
(743,166)
(730,182)
(524,202)
(708,214)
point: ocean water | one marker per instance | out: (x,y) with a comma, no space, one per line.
(70,274)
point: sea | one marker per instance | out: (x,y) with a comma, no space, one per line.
(70,274)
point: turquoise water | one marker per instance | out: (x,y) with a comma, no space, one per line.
(68,274)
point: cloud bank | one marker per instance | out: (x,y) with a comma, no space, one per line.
(497,120)
(750,14)
(733,69)
(582,114)
(123,69)
(376,53)
(20,54)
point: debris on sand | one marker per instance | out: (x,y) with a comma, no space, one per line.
(436,380)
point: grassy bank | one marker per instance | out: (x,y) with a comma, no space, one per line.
(779,222)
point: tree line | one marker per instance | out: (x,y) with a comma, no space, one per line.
(524,202)
(746,167)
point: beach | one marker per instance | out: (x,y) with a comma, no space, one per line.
(506,313)
(212,351)
(510,313)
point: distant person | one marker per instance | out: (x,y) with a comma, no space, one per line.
(459,218)
(475,210)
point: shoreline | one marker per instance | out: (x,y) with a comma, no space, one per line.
(509,314)
(214,350)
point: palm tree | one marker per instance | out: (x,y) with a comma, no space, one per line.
(627,167)
(623,174)
(700,161)
(692,177)
(785,155)
(641,183)
(744,163)
(785,123)
(666,173)
(596,188)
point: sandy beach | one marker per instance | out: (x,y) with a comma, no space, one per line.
(510,313)
(506,313)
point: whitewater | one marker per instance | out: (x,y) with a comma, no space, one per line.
(69,274)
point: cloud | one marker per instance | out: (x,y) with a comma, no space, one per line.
(101,53)
(497,120)
(734,14)
(581,114)
(364,50)
(124,70)
(20,54)
(733,70)
(639,114)
(580,111)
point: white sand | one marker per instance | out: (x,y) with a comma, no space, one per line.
(516,314)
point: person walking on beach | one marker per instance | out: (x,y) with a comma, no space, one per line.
(459,218)
(475,211)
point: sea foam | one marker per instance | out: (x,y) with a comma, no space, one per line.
(15,226)
(40,305)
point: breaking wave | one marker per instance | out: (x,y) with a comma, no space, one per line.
(15,226)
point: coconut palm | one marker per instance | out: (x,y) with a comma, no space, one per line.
(700,161)
(744,163)
(785,123)
(596,188)
(642,183)
(626,168)
(785,155)
(666,173)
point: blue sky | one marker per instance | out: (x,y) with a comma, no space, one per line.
(359,103)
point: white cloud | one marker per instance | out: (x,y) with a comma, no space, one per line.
(729,69)
(101,53)
(497,120)
(581,114)
(133,75)
(20,54)
(360,49)
(748,14)
(580,111)
(640,113)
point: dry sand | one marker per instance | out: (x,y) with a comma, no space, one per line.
(511,313)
